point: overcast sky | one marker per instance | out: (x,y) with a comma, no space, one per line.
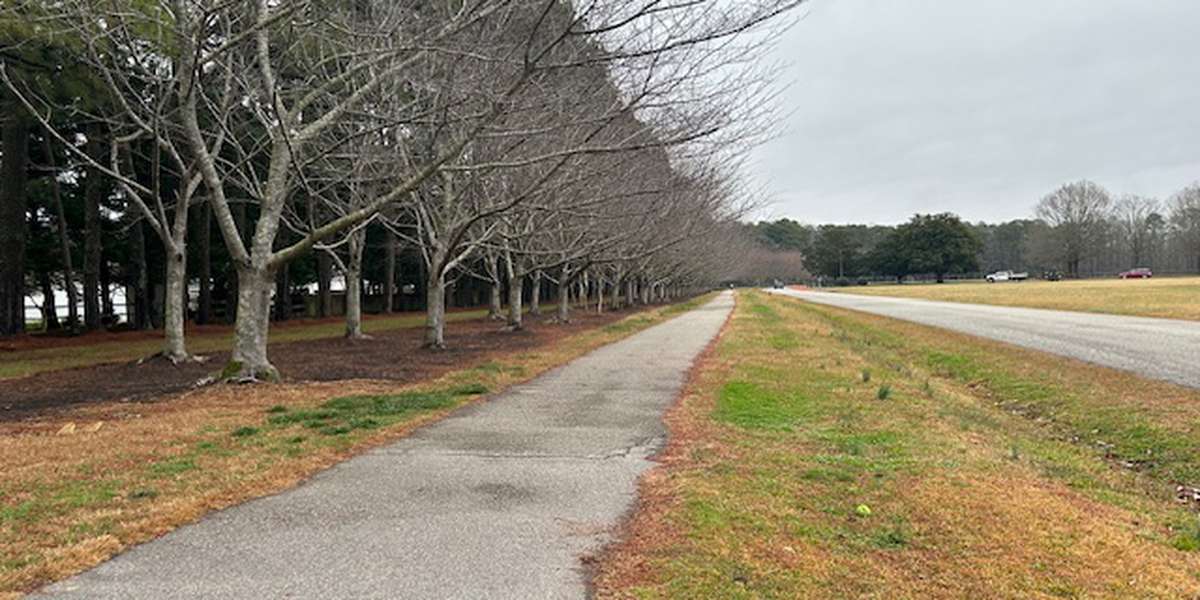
(980,107)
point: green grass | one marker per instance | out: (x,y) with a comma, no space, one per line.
(1187,537)
(173,466)
(753,406)
(340,416)
(244,431)
(50,499)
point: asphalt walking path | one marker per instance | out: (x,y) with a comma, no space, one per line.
(499,500)
(1166,349)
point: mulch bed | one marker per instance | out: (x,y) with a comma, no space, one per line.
(394,355)
(63,339)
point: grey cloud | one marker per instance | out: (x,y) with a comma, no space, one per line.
(981,106)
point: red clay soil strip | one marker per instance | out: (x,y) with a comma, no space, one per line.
(646,525)
(394,355)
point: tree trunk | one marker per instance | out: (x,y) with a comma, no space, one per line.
(516,282)
(249,360)
(615,300)
(354,302)
(139,278)
(389,274)
(175,305)
(64,242)
(49,310)
(324,289)
(242,219)
(495,303)
(157,295)
(495,300)
(106,303)
(354,285)
(14,143)
(204,248)
(535,295)
(94,192)
(435,310)
(564,296)
(283,295)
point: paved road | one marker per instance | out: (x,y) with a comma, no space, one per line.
(1164,349)
(498,501)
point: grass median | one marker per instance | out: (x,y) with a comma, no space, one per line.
(819,452)
(80,487)
(1166,297)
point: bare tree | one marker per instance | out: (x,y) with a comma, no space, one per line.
(299,78)
(1077,212)
(1185,223)
(1134,217)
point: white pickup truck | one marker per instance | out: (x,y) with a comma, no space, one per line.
(1006,276)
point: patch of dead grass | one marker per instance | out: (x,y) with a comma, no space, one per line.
(625,563)
(966,499)
(1165,297)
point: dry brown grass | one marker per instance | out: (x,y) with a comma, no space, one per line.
(625,561)
(967,499)
(71,500)
(41,466)
(1166,297)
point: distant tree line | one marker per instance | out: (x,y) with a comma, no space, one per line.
(1079,230)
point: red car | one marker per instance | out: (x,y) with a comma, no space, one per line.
(1142,273)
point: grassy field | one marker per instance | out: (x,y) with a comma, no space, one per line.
(114,349)
(1169,297)
(81,486)
(820,453)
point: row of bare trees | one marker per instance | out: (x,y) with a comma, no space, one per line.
(517,141)
(1087,230)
